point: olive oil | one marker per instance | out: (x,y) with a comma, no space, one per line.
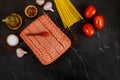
(13,21)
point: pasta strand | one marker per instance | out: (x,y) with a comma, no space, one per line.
(68,13)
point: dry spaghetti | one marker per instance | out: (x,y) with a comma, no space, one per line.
(68,13)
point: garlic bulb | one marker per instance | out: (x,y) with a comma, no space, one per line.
(48,6)
(20,52)
(40,2)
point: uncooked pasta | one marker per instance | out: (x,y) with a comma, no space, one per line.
(68,13)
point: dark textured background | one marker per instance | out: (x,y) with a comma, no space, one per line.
(94,58)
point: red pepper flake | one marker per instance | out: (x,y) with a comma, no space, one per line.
(44,34)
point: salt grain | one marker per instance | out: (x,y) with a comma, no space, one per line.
(12,40)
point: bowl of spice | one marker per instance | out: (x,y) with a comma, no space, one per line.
(31,11)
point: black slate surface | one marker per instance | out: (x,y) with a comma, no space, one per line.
(94,58)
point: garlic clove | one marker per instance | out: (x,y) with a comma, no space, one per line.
(20,52)
(48,6)
(51,10)
(40,2)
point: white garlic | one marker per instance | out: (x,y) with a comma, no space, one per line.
(40,2)
(20,52)
(48,6)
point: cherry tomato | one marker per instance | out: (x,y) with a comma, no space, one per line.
(90,11)
(88,30)
(99,21)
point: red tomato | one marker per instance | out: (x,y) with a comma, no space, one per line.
(99,21)
(90,11)
(88,30)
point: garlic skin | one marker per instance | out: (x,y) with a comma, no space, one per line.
(48,6)
(20,52)
(40,2)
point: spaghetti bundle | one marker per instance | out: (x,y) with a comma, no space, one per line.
(68,13)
